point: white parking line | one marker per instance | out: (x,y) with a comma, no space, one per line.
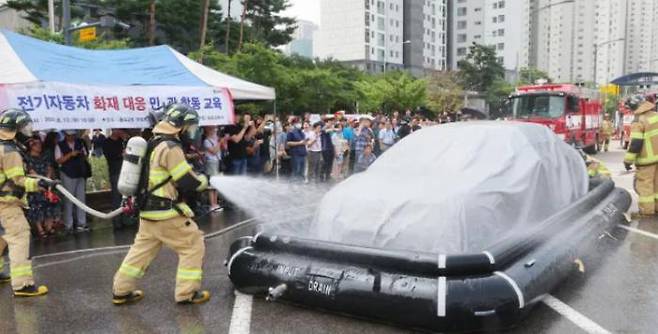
(585,323)
(638,231)
(241,317)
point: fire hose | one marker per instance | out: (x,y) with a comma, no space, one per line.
(81,205)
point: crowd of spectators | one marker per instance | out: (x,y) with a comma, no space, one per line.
(306,149)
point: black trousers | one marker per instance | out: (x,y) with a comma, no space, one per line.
(327,165)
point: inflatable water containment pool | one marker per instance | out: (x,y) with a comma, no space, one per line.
(489,290)
(470,238)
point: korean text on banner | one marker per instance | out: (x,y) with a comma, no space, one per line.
(66,106)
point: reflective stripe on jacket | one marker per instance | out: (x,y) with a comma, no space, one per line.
(643,148)
(167,161)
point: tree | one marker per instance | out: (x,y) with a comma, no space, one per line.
(394,90)
(406,91)
(480,69)
(611,104)
(267,25)
(444,94)
(204,22)
(173,21)
(496,96)
(528,76)
(100,43)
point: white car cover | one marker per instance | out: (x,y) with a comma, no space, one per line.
(454,188)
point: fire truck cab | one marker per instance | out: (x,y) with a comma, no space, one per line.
(573,113)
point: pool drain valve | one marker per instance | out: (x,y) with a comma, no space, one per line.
(274,293)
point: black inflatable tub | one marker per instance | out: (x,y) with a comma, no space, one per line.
(490,290)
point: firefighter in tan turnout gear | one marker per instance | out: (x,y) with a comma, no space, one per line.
(164,220)
(643,153)
(15,128)
(606,132)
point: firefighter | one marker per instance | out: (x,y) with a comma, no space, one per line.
(15,129)
(605,132)
(643,153)
(163,219)
(595,167)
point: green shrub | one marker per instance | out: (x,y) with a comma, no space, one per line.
(100,179)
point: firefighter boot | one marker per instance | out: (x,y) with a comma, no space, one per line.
(199,297)
(130,298)
(4,278)
(31,291)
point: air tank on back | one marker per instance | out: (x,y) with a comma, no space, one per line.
(132,166)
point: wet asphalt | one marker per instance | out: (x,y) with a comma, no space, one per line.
(620,293)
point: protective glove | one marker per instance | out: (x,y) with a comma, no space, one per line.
(128,205)
(48,184)
(628,166)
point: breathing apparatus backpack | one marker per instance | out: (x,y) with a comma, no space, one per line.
(135,170)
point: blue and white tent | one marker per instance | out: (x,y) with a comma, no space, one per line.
(26,60)
(65,87)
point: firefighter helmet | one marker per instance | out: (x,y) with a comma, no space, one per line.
(16,120)
(634,101)
(183,117)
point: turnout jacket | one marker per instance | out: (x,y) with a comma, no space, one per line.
(643,148)
(13,182)
(169,172)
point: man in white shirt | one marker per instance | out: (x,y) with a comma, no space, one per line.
(314,147)
(386,137)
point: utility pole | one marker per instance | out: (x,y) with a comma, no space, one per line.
(228,27)
(152,22)
(51,16)
(66,21)
(596,56)
(204,23)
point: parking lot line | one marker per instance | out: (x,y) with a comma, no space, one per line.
(585,323)
(241,317)
(638,231)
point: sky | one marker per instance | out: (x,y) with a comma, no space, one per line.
(305,9)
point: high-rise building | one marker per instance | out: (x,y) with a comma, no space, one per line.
(366,34)
(592,41)
(425,40)
(496,23)
(381,35)
(609,40)
(302,39)
(641,36)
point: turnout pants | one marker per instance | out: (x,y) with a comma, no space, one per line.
(17,238)
(180,234)
(646,186)
(604,142)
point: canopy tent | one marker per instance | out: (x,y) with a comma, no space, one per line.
(64,87)
(26,60)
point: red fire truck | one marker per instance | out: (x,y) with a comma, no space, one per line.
(573,113)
